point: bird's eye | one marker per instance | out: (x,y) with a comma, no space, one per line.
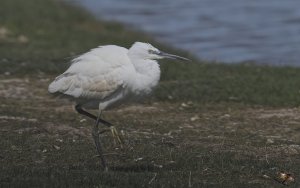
(152,52)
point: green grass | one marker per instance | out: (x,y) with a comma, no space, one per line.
(206,125)
(247,84)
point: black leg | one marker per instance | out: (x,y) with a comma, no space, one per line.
(96,138)
(96,132)
(79,109)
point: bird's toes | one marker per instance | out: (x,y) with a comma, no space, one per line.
(116,136)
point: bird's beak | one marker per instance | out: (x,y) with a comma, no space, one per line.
(171,56)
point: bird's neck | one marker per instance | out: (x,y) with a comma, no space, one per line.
(147,75)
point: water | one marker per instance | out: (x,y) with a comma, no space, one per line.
(264,31)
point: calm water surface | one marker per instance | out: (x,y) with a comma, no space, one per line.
(265,31)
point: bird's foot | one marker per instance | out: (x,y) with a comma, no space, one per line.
(116,136)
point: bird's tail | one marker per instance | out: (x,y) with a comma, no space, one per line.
(58,85)
(65,84)
(53,87)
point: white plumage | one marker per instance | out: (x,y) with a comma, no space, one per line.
(108,74)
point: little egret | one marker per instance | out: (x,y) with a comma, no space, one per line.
(108,76)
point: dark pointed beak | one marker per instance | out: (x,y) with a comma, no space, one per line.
(171,56)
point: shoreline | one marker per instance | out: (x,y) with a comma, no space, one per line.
(237,43)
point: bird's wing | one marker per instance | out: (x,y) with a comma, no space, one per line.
(96,74)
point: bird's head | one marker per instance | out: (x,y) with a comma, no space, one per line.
(147,51)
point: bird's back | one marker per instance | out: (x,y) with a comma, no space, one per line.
(95,75)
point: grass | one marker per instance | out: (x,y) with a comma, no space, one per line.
(206,125)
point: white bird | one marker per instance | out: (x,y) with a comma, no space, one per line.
(108,76)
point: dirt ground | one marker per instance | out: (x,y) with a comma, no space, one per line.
(44,141)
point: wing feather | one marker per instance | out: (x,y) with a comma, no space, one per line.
(95,75)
